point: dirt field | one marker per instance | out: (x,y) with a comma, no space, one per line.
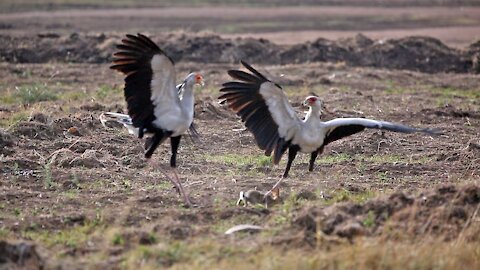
(456,26)
(86,199)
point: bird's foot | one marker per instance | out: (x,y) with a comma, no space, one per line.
(178,186)
(186,199)
(187,203)
(274,189)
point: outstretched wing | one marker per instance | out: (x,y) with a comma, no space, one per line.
(150,80)
(343,127)
(264,108)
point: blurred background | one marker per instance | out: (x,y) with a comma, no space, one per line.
(455,22)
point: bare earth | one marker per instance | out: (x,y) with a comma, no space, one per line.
(454,36)
(455,26)
(87,199)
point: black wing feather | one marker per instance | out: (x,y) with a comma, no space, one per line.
(342,132)
(126,55)
(254,71)
(243,76)
(244,98)
(133,59)
(237,85)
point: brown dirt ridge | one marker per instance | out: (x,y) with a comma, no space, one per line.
(443,212)
(417,53)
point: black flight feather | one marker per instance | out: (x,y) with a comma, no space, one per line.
(244,98)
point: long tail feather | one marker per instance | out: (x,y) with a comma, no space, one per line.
(121,118)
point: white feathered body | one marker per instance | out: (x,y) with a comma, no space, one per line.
(310,134)
(172,113)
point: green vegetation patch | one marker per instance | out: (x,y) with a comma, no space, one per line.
(73,95)
(107,92)
(442,92)
(238,160)
(450,92)
(343,195)
(29,94)
(336,158)
(169,254)
(72,237)
(14,118)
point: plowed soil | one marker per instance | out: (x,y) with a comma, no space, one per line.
(75,194)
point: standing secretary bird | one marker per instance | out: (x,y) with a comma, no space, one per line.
(155,105)
(265,109)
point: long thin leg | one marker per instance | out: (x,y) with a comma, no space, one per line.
(174,182)
(152,143)
(178,186)
(292,153)
(186,199)
(175,142)
(156,166)
(313,157)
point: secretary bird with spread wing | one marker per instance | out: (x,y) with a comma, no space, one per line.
(155,105)
(266,112)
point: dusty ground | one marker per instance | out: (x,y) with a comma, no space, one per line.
(87,199)
(456,25)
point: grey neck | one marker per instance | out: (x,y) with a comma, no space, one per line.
(315,112)
(187,99)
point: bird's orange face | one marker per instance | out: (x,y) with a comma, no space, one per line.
(199,79)
(310,101)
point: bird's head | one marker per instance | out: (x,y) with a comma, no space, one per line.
(194,79)
(313,101)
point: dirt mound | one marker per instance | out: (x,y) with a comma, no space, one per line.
(93,107)
(19,256)
(6,143)
(473,53)
(89,159)
(42,127)
(77,48)
(18,165)
(415,53)
(64,124)
(34,130)
(39,117)
(444,212)
(423,54)
(451,111)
